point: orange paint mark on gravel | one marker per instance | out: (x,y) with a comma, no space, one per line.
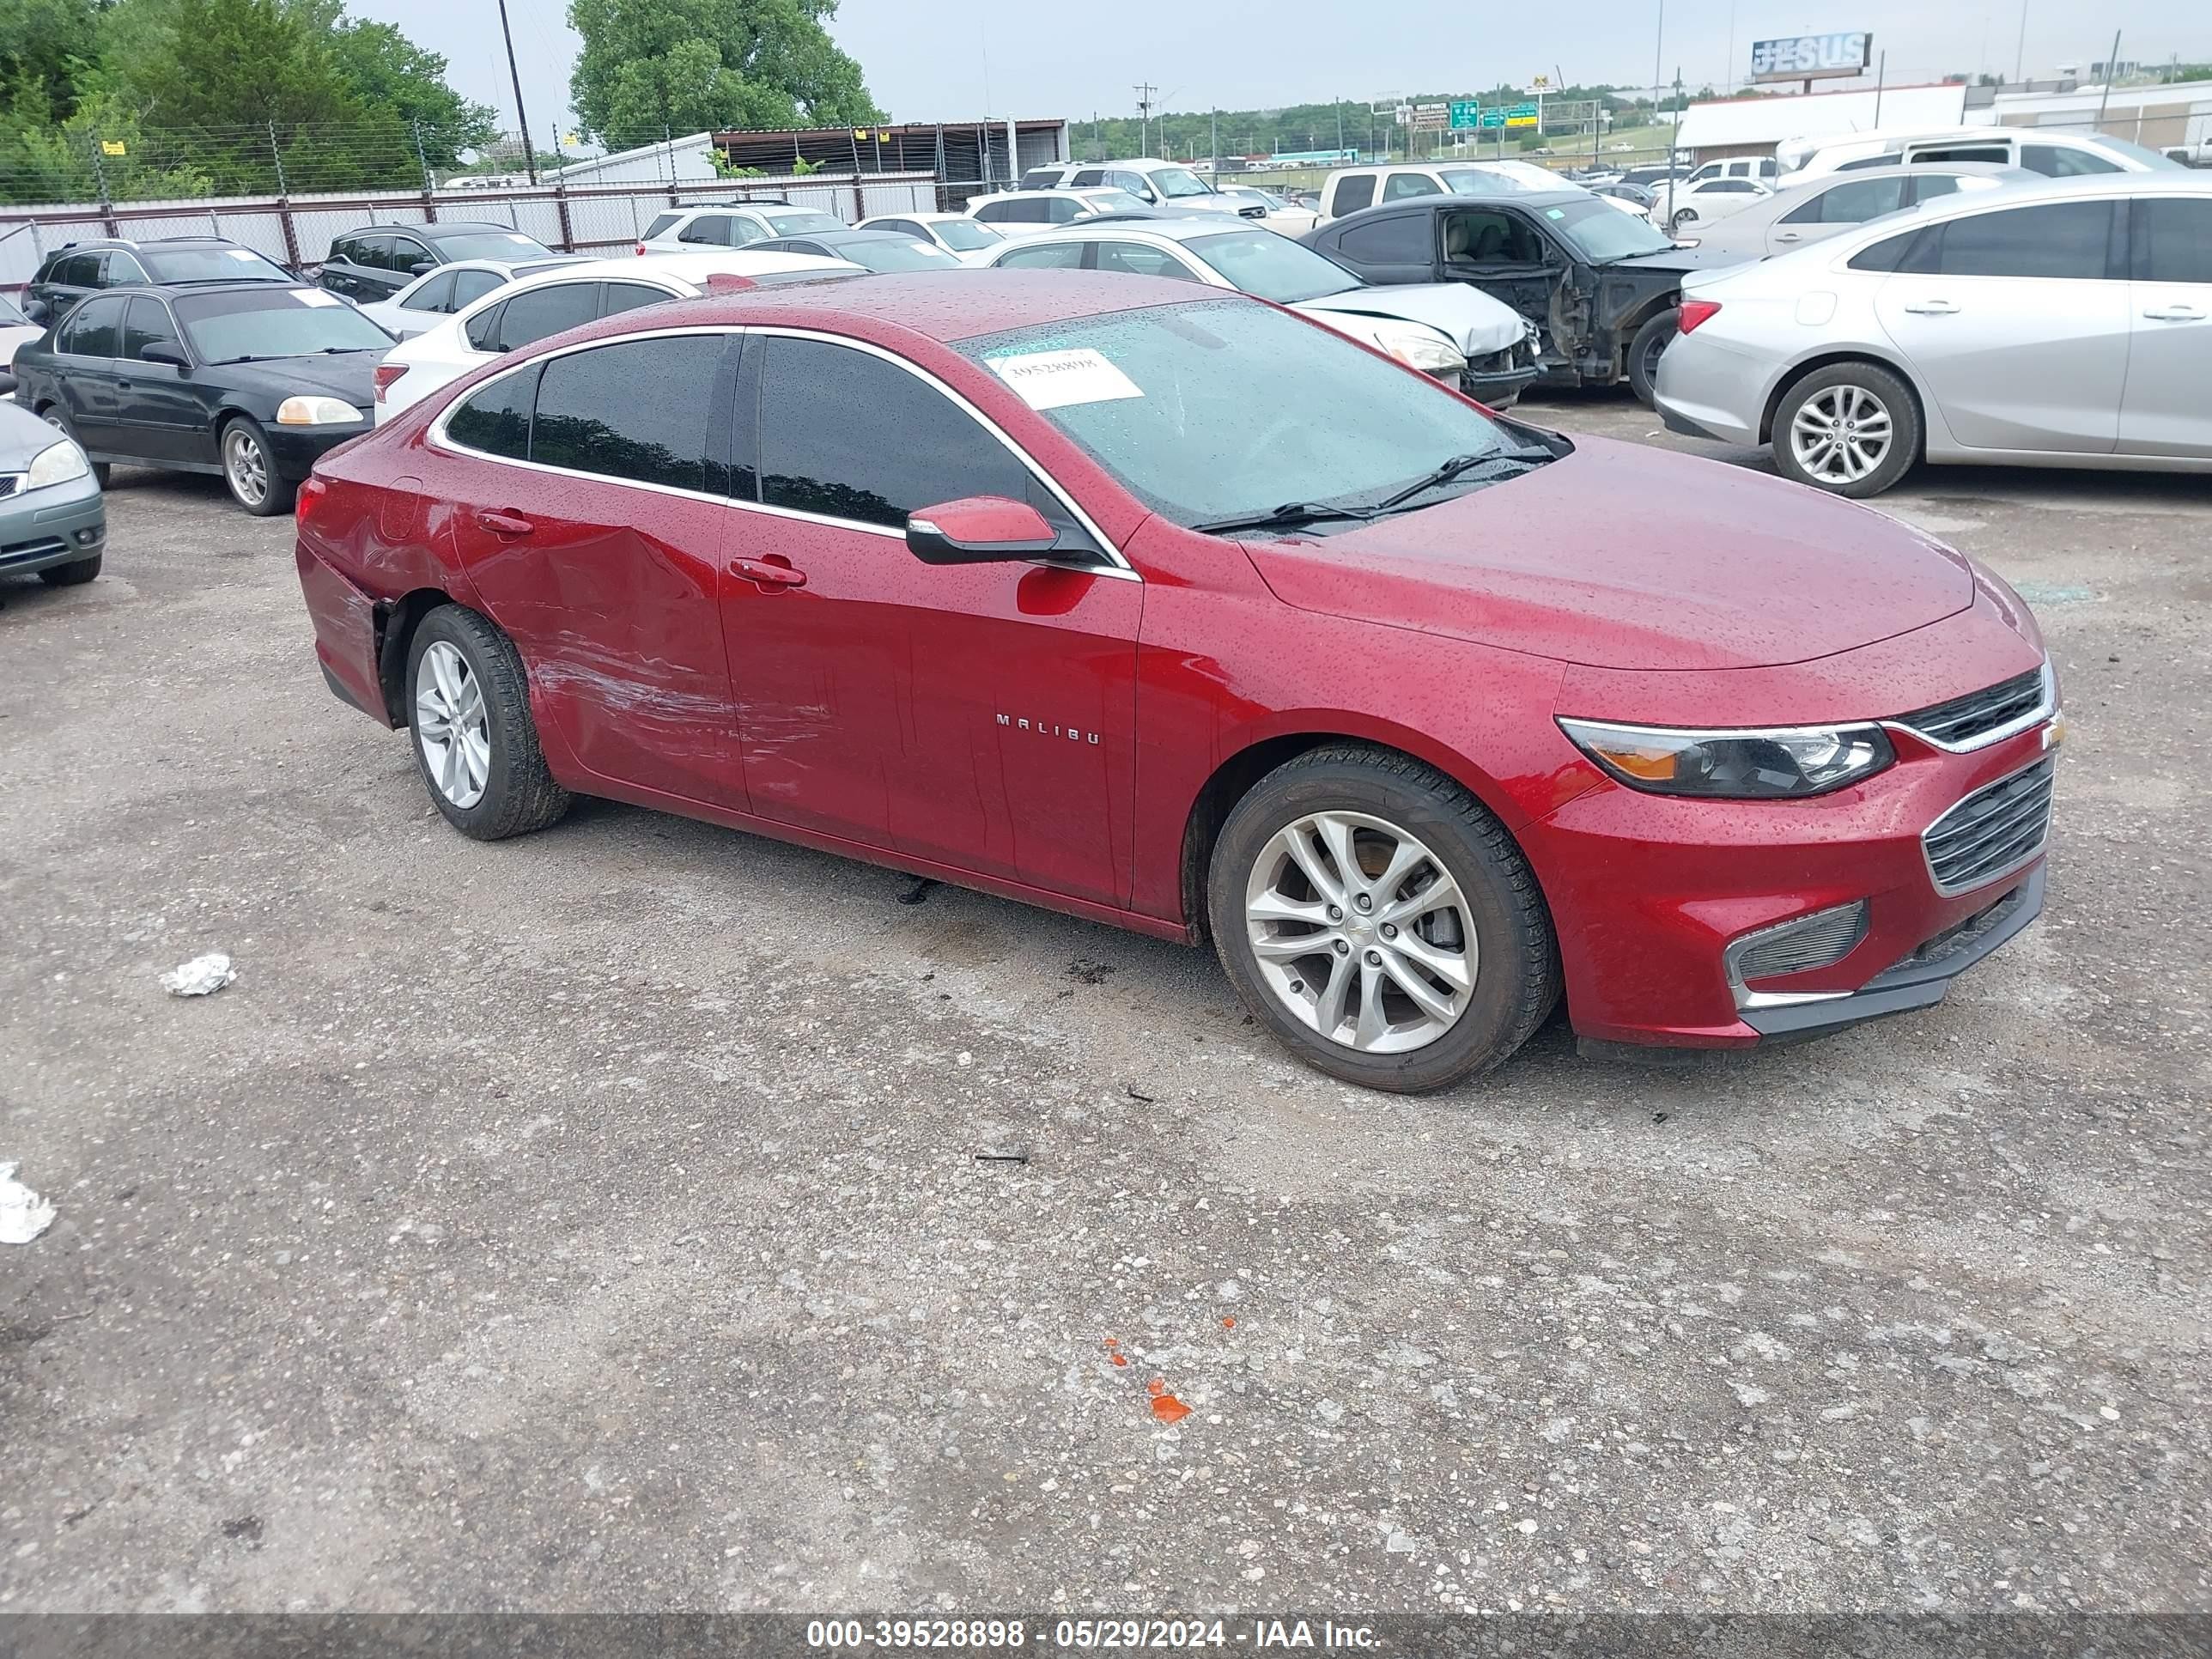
(1168,1408)
(1158,1385)
(1228,1322)
(1118,1360)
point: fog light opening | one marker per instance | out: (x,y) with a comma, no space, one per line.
(1796,946)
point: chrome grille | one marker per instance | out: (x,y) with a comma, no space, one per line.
(1983,716)
(1995,830)
(1796,946)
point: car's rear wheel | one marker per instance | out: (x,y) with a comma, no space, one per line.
(468,712)
(1380,920)
(54,418)
(250,470)
(1850,429)
(1645,351)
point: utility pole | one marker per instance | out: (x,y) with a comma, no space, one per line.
(2112,74)
(2020,52)
(1144,89)
(521,115)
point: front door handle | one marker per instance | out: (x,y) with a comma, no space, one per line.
(504,524)
(2174,314)
(768,574)
(1786,236)
(1934,308)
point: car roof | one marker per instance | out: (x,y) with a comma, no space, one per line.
(1180,228)
(942,305)
(451,227)
(1520,195)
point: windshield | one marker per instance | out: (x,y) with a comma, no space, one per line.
(1220,408)
(2150,158)
(1600,233)
(1274,267)
(490,245)
(1174,183)
(299,322)
(966,235)
(210,265)
(1474,181)
(895,252)
(802,221)
(1114,201)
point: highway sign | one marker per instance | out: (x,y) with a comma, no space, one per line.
(1465,112)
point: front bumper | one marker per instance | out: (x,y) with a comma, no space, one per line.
(295,449)
(61,524)
(1648,891)
(1499,379)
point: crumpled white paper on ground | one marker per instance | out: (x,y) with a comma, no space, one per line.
(201,977)
(23,1214)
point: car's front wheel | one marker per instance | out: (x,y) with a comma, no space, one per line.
(1380,920)
(250,471)
(1850,429)
(468,710)
(72,575)
(1645,351)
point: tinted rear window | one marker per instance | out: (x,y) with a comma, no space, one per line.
(497,418)
(660,227)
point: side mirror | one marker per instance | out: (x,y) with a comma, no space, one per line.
(37,312)
(422,268)
(161,351)
(978,530)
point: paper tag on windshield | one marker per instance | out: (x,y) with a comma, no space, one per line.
(315,296)
(1055,380)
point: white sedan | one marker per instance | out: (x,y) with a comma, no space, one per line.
(556,300)
(1678,206)
(969,240)
(430,299)
(1454,332)
(1278,214)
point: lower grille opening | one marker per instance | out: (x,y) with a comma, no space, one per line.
(1819,940)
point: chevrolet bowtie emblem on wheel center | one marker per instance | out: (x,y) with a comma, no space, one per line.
(1046,729)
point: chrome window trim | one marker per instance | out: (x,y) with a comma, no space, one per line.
(2042,841)
(1732,956)
(437,437)
(2045,707)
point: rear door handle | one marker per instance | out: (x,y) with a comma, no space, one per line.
(764,574)
(1934,308)
(504,524)
(2174,314)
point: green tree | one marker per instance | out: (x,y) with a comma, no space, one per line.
(46,48)
(387,71)
(650,66)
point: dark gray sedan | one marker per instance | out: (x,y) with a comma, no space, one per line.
(53,519)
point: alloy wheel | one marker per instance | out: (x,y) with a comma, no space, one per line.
(1360,933)
(452,724)
(1840,433)
(245,466)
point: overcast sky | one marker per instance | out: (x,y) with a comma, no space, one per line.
(957,59)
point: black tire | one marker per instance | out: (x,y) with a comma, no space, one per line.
(1895,397)
(1645,351)
(70,575)
(1516,977)
(277,493)
(1687,216)
(52,416)
(519,795)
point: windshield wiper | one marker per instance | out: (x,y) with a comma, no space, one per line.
(1288,516)
(1458,466)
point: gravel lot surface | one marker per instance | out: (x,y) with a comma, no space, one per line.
(595,1221)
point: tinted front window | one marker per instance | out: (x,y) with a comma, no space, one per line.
(1168,396)
(1274,267)
(536,312)
(1851,204)
(78,270)
(2060,239)
(95,329)
(1400,239)
(1401,186)
(436,294)
(2173,239)
(274,322)
(471,286)
(1353,194)
(211,265)
(2055,162)
(1052,256)
(497,418)
(146,324)
(486,245)
(817,458)
(639,411)
(1137,259)
(1492,238)
(629,297)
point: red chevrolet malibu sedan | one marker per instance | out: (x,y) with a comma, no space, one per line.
(1178,612)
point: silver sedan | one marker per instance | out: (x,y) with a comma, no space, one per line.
(2068,324)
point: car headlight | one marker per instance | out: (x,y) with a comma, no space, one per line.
(56,464)
(1786,762)
(1420,348)
(317,411)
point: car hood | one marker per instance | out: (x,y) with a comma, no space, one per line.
(22,435)
(1620,556)
(350,375)
(1677,258)
(1477,324)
